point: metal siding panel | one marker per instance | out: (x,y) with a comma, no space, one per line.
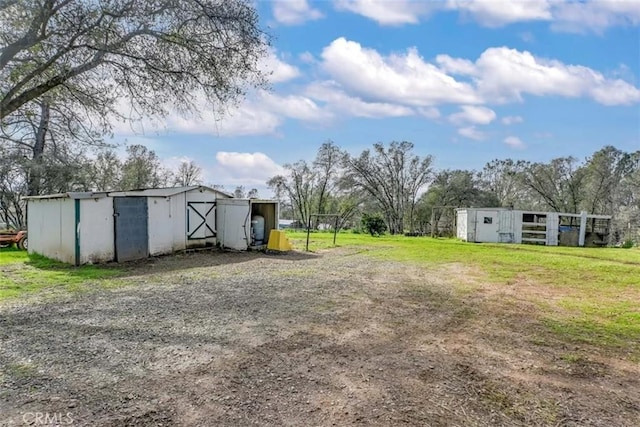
(131,228)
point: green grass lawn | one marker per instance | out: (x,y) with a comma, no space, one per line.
(21,273)
(595,291)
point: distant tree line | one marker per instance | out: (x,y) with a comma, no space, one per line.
(102,170)
(412,196)
(64,169)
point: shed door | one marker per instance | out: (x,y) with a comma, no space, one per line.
(487,226)
(232,222)
(201,220)
(505,227)
(131,228)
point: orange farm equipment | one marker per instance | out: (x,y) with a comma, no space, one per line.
(9,237)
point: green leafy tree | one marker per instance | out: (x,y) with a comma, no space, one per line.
(155,53)
(374,224)
(142,169)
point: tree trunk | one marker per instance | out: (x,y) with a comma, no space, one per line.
(36,166)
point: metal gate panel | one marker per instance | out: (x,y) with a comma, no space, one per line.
(131,228)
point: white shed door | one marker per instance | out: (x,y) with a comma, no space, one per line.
(201,220)
(487,226)
(505,227)
(232,220)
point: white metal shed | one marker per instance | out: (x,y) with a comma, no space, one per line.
(80,228)
(503,225)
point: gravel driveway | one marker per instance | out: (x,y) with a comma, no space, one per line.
(325,339)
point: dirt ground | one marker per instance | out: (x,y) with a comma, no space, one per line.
(334,338)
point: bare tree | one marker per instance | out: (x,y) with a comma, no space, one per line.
(299,186)
(188,173)
(452,189)
(561,183)
(239,192)
(503,178)
(327,165)
(67,65)
(393,177)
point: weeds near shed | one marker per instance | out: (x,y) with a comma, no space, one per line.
(25,274)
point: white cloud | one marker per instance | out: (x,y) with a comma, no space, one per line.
(504,75)
(250,118)
(499,75)
(340,102)
(173,163)
(472,132)
(455,65)
(294,12)
(511,120)
(429,112)
(386,12)
(572,16)
(398,78)
(307,57)
(261,114)
(473,114)
(295,107)
(492,13)
(278,70)
(250,169)
(514,141)
(368,84)
(595,15)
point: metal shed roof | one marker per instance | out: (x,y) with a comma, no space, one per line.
(166,192)
(70,195)
(576,215)
(149,192)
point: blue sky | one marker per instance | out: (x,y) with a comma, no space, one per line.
(466,81)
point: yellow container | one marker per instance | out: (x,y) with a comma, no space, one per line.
(278,241)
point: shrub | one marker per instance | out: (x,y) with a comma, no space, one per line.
(373,224)
(627,244)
